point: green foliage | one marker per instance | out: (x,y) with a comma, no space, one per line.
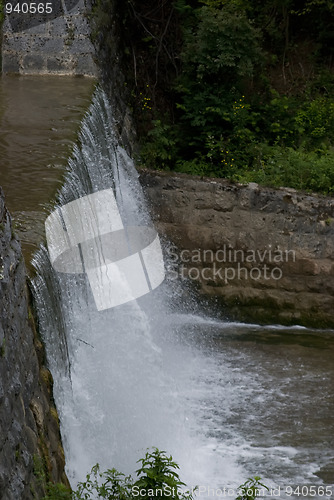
(282,142)
(299,169)
(252,488)
(198,166)
(246,102)
(157,477)
(316,121)
(160,151)
(39,471)
(110,484)
(220,56)
(223,43)
(52,491)
(159,472)
(227,88)
(58,492)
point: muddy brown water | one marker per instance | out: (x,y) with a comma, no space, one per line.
(39,121)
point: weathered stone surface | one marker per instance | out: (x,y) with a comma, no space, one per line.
(33,62)
(269,253)
(25,435)
(58,43)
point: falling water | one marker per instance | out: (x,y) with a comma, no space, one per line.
(141,374)
(115,388)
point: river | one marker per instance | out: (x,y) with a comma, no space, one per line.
(39,120)
(227,400)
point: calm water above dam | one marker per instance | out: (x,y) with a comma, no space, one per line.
(39,119)
(227,400)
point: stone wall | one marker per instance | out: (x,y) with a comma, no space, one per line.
(30,445)
(54,43)
(108,41)
(266,254)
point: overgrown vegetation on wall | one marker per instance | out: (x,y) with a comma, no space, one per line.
(231,88)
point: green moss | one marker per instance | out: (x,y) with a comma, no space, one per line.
(46,377)
(39,468)
(54,415)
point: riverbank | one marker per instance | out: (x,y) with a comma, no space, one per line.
(266,255)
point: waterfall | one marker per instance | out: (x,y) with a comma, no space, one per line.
(120,367)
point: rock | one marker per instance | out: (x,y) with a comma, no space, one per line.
(278,245)
(24,383)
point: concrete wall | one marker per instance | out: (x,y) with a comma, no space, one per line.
(30,445)
(270,253)
(56,43)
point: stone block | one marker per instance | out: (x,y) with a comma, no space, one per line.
(224,201)
(33,63)
(15,43)
(81,26)
(79,46)
(40,28)
(10,63)
(57,27)
(30,439)
(47,45)
(54,64)
(85,65)
(75,6)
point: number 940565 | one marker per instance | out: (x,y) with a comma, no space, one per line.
(29,8)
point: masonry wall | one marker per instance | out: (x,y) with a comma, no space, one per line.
(53,43)
(266,254)
(30,445)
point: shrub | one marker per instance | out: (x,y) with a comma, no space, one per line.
(230,118)
(157,472)
(251,489)
(299,169)
(157,476)
(220,55)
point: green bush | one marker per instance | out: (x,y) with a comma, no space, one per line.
(160,150)
(58,492)
(156,472)
(299,169)
(251,488)
(220,56)
(230,117)
(110,484)
(316,122)
(157,476)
